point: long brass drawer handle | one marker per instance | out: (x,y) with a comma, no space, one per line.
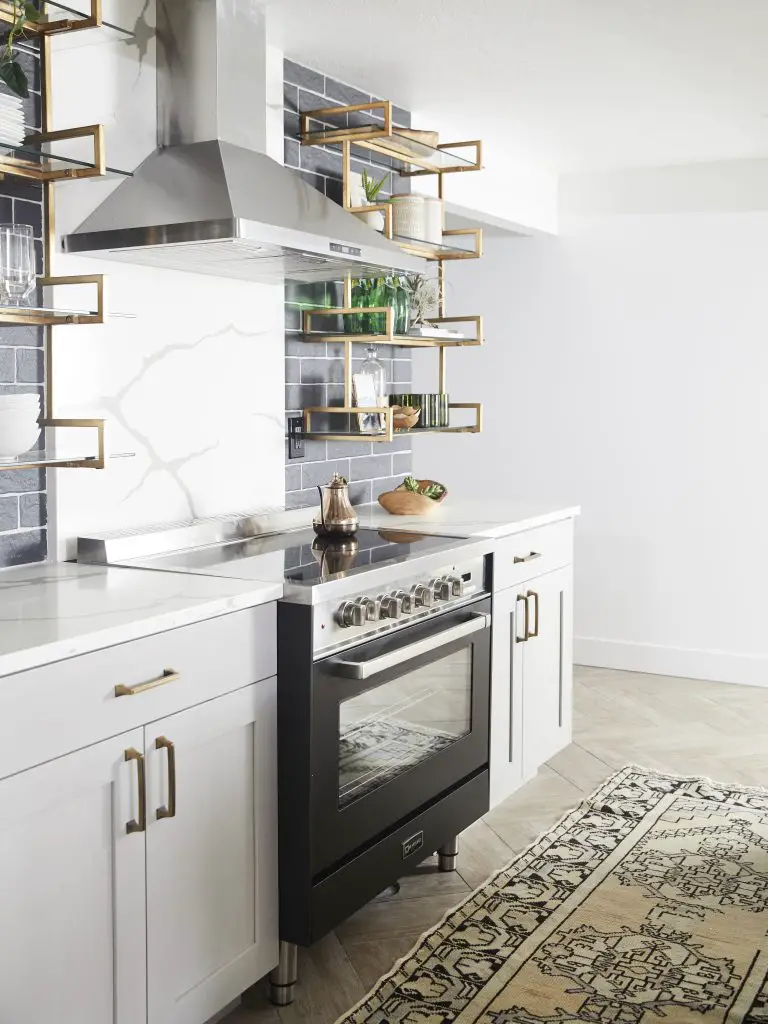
(170,675)
(535,630)
(527,558)
(527,621)
(161,743)
(140,824)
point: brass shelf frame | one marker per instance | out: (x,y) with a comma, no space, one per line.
(19,167)
(382,138)
(49,319)
(48,28)
(385,140)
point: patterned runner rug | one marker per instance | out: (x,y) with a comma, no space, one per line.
(646,904)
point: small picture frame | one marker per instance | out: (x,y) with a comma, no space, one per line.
(364,395)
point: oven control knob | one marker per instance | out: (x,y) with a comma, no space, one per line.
(407,602)
(371,608)
(436,588)
(457,585)
(390,607)
(350,614)
(421,595)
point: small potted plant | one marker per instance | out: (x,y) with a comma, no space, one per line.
(371,189)
(11,72)
(423,300)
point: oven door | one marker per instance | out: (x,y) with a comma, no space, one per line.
(396,723)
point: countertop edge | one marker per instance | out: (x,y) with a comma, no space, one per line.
(112,636)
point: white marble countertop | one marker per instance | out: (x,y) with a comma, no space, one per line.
(473,517)
(54,611)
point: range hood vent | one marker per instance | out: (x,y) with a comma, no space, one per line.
(204,202)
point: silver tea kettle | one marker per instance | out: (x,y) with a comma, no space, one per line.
(336,518)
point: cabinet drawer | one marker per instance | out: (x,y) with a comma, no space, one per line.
(49,711)
(530,554)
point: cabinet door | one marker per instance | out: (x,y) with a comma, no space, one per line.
(73,935)
(212,927)
(506,742)
(547,669)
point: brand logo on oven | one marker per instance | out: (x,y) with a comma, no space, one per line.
(413,844)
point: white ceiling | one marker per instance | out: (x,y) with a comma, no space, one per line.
(573,84)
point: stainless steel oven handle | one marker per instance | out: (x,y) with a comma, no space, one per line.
(366,669)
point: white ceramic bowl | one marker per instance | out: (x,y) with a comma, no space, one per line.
(17,438)
(12,401)
(20,413)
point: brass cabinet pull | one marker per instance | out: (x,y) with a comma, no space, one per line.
(169,675)
(170,811)
(527,558)
(139,825)
(535,630)
(527,621)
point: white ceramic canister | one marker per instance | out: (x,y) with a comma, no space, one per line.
(409,215)
(433,219)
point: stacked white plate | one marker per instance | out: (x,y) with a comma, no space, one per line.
(19,424)
(12,131)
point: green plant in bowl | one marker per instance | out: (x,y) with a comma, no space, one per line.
(430,489)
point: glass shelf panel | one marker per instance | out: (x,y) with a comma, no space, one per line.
(409,152)
(50,457)
(48,157)
(49,314)
(438,249)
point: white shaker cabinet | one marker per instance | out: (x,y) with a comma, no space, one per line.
(547,669)
(211,854)
(532,658)
(72,889)
(138,874)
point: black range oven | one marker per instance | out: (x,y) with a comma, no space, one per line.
(382,750)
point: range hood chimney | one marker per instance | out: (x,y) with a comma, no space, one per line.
(210,200)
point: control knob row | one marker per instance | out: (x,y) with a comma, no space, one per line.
(391,606)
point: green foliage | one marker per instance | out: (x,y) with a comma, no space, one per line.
(433,490)
(371,187)
(11,72)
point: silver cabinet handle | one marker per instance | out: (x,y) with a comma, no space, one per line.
(527,558)
(366,669)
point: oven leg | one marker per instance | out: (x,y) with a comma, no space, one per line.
(283,978)
(448,854)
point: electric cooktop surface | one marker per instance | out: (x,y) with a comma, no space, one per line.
(299,556)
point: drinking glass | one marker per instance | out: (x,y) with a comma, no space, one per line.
(17,263)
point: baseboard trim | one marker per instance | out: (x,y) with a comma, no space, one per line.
(712,666)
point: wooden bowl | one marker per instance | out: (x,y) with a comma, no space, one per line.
(401,502)
(406,503)
(405,416)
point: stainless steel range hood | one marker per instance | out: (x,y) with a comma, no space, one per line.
(208,200)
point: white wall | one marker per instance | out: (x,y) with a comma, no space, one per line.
(626,368)
(194,384)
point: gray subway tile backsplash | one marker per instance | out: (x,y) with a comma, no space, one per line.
(370,467)
(297,74)
(9,513)
(23,547)
(314,370)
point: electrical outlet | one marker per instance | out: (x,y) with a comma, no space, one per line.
(295,440)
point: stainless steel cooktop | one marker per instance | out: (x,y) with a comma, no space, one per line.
(298,557)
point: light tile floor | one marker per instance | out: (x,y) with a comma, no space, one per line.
(676,725)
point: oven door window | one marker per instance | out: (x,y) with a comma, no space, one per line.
(389,729)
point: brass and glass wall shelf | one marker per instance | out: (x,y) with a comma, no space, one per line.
(371,126)
(48,157)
